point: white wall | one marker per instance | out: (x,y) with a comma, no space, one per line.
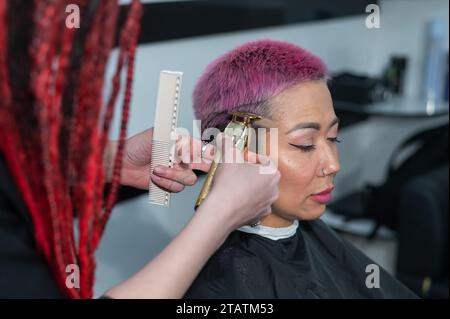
(403,32)
(137,231)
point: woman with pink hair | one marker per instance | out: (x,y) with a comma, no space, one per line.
(290,253)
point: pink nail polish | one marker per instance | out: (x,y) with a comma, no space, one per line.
(156,178)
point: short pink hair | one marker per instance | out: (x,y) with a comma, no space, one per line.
(248,76)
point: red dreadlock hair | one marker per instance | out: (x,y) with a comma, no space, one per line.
(54,125)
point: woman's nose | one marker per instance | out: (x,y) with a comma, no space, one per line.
(330,162)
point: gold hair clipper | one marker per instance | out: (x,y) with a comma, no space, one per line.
(238,129)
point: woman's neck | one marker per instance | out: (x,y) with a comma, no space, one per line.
(275,221)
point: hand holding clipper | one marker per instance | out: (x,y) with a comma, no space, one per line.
(238,129)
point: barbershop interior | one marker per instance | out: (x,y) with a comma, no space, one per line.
(385,64)
(391,194)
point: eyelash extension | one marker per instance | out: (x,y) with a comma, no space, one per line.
(334,140)
(310,148)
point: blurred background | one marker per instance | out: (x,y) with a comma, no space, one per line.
(390,91)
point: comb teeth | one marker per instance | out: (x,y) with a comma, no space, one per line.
(160,156)
(166,116)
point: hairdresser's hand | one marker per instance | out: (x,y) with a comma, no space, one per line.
(246,189)
(137,157)
(188,157)
(136,160)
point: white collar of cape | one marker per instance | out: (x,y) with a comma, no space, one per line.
(271,232)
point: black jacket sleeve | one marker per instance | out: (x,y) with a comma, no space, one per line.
(24,272)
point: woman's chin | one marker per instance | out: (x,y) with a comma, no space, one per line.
(308,210)
(311,213)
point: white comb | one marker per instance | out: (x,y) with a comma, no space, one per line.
(166,116)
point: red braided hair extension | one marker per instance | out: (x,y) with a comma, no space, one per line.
(54,127)
(89,101)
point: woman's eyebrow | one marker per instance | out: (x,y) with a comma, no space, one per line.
(334,122)
(300,126)
(311,125)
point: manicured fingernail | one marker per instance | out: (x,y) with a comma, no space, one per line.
(156,178)
(207,160)
(159,170)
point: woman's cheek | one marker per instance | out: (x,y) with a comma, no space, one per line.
(293,186)
(296,174)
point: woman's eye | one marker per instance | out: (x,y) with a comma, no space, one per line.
(305,148)
(334,139)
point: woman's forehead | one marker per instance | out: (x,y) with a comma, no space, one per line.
(306,102)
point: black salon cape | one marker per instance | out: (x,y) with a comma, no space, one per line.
(314,263)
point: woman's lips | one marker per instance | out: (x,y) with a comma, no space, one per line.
(323,197)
